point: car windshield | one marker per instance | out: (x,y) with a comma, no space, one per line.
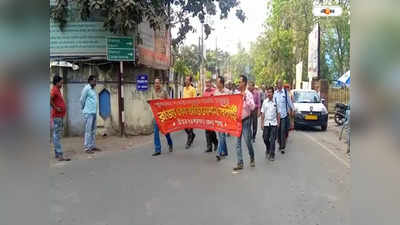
(306,97)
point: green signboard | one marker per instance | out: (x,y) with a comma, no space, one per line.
(120,49)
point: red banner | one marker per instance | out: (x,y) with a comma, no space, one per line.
(218,113)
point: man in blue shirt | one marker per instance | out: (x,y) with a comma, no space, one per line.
(285,108)
(89,109)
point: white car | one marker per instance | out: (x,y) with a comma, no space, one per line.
(309,109)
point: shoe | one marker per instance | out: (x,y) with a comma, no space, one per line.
(170,148)
(188,140)
(187,146)
(218,158)
(208,150)
(156,153)
(238,167)
(252,163)
(96,149)
(89,152)
(283,151)
(61,158)
(271,158)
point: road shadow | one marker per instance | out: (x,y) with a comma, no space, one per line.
(309,129)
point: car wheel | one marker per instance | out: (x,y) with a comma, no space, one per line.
(324,126)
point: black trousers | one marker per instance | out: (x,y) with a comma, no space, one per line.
(254,119)
(283,131)
(211,138)
(190,136)
(269,135)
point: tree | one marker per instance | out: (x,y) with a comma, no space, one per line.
(284,41)
(241,63)
(124,16)
(216,61)
(335,43)
(187,61)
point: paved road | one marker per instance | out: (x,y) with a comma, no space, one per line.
(309,185)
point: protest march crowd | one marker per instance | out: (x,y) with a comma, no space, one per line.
(273,105)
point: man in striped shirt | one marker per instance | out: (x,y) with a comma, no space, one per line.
(248,106)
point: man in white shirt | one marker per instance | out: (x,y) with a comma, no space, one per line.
(270,120)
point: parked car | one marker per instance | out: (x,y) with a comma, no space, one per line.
(309,109)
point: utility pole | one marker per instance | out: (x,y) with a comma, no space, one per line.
(216,56)
(202,59)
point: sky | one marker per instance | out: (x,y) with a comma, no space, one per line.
(229,32)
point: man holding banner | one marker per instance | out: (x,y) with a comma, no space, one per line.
(221,90)
(221,113)
(248,107)
(158,93)
(189,92)
(211,136)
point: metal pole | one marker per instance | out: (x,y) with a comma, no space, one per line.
(202,60)
(319,52)
(216,56)
(121,99)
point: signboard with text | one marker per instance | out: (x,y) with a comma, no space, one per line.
(120,49)
(154,51)
(313,39)
(142,82)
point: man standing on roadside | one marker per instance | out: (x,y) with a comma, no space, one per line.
(248,106)
(89,109)
(269,122)
(57,115)
(221,90)
(256,112)
(211,136)
(159,93)
(189,92)
(285,108)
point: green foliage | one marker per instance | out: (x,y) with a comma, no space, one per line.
(217,61)
(124,16)
(181,68)
(284,42)
(241,63)
(189,55)
(196,77)
(208,75)
(335,44)
(60,13)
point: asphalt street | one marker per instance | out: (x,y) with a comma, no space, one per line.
(309,185)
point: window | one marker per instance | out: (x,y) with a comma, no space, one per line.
(306,97)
